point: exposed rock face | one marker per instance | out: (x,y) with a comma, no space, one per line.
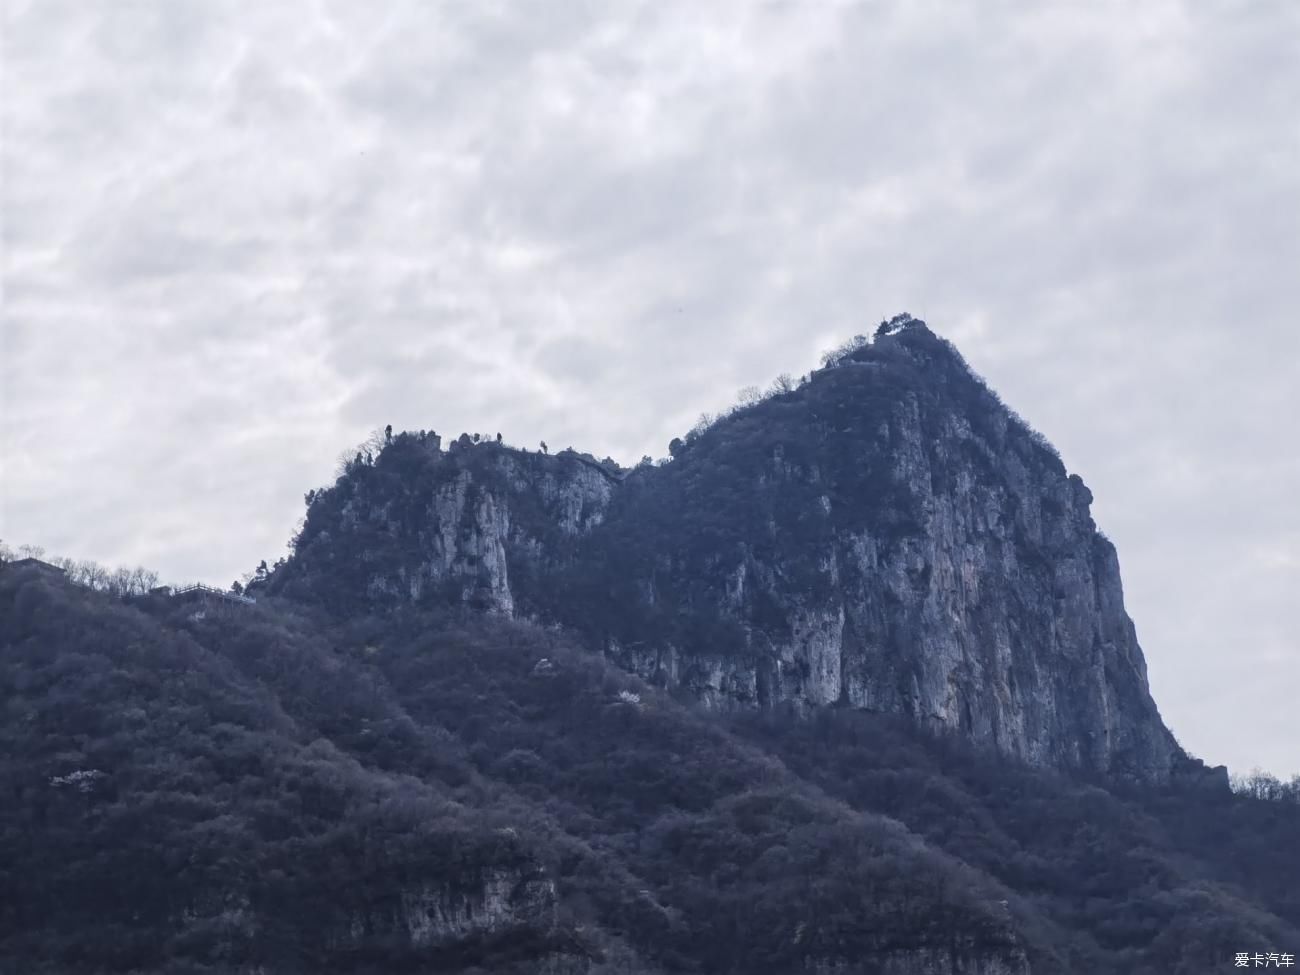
(472,532)
(417,918)
(999,614)
(434,915)
(888,536)
(469,525)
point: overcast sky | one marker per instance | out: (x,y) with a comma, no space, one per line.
(239,236)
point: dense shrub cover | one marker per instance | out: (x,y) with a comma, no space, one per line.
(209,794)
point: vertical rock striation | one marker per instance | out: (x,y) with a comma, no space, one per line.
(496,902)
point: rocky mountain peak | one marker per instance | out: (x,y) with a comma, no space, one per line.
(886,535)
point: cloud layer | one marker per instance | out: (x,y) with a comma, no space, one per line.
(238,237)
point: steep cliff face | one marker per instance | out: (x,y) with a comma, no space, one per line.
(475,524)
(887,536)
(893,539)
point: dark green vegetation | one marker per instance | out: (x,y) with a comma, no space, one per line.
(193,789)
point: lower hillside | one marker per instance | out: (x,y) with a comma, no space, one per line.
(204,788)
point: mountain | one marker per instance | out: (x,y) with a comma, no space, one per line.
(846,686)
(886,536)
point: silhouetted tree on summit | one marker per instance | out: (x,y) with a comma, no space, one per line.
(544,448)
(838,354)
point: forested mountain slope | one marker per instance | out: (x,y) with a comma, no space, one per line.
(266,789)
